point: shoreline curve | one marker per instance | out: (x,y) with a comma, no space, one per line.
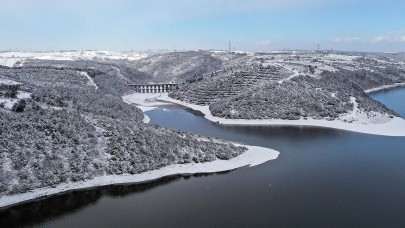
(395,127)
(253,156)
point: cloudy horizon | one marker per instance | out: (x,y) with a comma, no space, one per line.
(256,25)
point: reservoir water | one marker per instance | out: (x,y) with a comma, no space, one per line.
(322,178)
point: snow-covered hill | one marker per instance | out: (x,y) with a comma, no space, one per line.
(74,127)
(295,85)
(11,59)
(177,66)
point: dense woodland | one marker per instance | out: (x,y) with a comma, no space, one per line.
(69,130)
(328,97)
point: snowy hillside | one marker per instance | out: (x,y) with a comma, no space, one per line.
(177,66)
(73,125)
(69,123)
(295,85)
(11,59)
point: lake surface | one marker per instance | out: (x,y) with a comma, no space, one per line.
(322,178)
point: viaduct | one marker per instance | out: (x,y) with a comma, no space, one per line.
(154,88)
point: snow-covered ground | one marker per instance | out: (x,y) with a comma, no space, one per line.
(146,119)
(254,156)
(295,74)
(340,57)
(8,82)
(145,102)
(384,87)
(9,102)
(11,58)
(9,62)
(357,121)
(91,81)
(145,99)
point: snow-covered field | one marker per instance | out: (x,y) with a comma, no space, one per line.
(11,58)
(254,156)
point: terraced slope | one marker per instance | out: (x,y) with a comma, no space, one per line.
(228,83)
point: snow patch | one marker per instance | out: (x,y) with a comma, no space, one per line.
(384,87)
(294,71)
(233,112)
(146,118)
(91,81)
(145,99)
(8,82)
(145,108)
(10,62)
(9,102)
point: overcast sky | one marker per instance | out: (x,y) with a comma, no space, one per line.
(251,25)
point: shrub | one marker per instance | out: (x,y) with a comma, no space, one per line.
(19,106)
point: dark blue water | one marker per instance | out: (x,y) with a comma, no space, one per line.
(392,98)
(322,178)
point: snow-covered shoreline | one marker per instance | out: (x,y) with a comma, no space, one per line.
(254,156)
(394,127)
(143,102)
(384,87)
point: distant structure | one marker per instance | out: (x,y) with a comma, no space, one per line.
(154,88)
(229,48)
(318,47)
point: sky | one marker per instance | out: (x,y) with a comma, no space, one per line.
(250,25)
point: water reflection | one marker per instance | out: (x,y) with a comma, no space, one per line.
(53,207)
(276,137)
